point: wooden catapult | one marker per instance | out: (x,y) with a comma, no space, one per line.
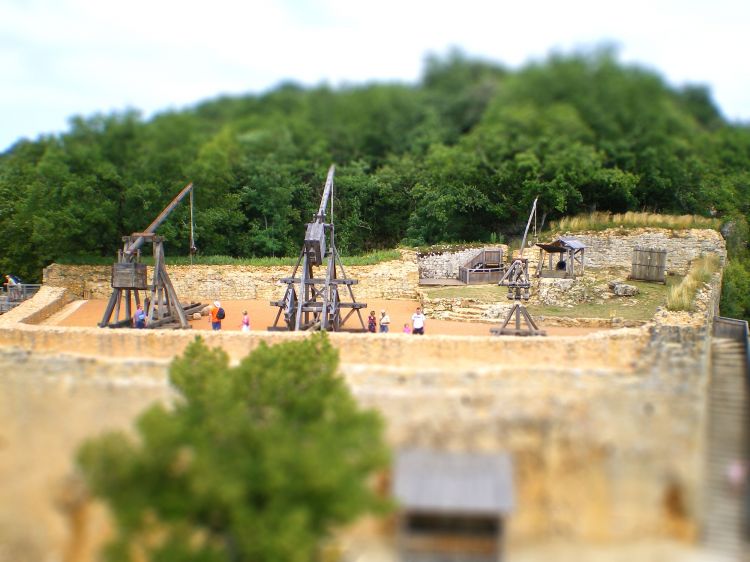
(516,278)
(129,278)
(315,303)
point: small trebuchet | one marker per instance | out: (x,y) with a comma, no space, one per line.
(516,278)
(312,303)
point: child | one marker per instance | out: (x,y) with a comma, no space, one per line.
(371,322)
(407,329)
(139,320)
(245,321)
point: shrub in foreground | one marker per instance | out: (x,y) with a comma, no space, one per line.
(253,463)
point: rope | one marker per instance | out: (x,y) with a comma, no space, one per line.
(193,249)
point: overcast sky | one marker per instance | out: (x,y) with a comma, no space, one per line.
(60,58)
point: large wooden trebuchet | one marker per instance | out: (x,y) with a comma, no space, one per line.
(315,303)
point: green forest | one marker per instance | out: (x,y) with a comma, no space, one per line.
(458,156)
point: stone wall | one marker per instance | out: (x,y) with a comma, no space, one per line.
(444,265)
(605,431)
(618,348)
(614,247)
(388,280)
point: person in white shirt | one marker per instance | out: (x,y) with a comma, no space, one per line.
(417,322)
(385,322)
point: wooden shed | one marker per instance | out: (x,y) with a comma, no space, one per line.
(453,505)
(563,258)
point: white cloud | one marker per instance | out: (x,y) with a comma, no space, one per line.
(64,57)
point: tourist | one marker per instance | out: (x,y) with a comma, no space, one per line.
(216,316)
(385,322)
(139,320)
(11,286)
(371,322)
(407,329)
(245,321)
(417,322)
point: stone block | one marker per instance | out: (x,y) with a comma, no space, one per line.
(623,289)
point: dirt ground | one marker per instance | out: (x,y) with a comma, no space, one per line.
(262,315)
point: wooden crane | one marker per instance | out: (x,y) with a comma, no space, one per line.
(129,278)
(315,303)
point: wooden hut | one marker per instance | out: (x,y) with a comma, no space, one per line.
(563,258)
(453,504)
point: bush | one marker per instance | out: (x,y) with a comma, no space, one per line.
(603,221)
(369,258)
(735,293)
(254,462)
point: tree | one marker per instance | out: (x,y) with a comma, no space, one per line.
(254,462)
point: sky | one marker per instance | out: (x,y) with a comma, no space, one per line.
(60,58)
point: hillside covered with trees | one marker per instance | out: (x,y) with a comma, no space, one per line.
(458,156)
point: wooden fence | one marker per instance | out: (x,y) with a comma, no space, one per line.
(649,264)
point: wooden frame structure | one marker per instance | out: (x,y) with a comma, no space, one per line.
(518,283)
(565,259)
(315,303)
(129,279)
(516,278)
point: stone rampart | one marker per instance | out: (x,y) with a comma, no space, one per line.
(620,348)
(614,247)
(388,280)
(605,431)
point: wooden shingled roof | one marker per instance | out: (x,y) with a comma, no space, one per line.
(457,483)
(562,245)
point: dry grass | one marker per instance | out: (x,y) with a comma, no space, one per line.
(602,221)
(682,296)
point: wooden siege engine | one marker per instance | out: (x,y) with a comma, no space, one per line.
(316,303)
(129,278)
(516,278)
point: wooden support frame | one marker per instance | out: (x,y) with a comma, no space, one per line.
(316,303)
(517,280)
(163,308)
(573,258)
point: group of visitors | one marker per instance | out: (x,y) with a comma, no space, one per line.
(217,314)
(416,326)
